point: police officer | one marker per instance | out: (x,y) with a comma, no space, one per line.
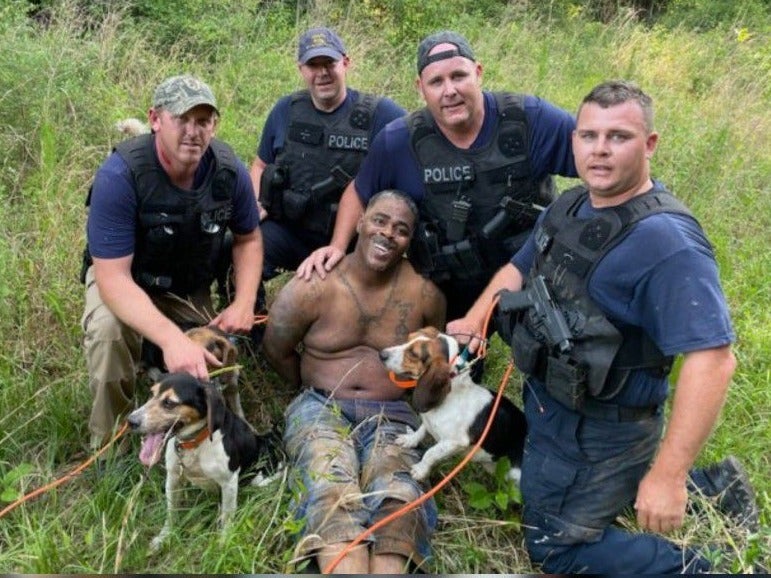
(311,147)
(159,208)
(478,163)
(594,401)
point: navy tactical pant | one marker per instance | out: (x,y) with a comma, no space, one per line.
(578,475)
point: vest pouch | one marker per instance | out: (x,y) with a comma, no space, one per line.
(272,184)
(161,237)
(464,261)
(423,247)
(526,350)
(295,204)
(320,219)
(566,381)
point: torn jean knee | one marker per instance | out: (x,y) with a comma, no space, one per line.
(348,473)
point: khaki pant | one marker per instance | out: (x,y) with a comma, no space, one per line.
(113,352)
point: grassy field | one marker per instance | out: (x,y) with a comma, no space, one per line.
(66,77)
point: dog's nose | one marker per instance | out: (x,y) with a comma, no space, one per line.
(134,420)
(383,355)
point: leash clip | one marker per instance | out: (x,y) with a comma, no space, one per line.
(462,360)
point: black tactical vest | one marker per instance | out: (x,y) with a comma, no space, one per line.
(479,203)
(603,352)
(321,155)
(179,232)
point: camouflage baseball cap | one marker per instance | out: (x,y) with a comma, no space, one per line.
(179,94)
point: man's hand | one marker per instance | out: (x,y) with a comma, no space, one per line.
(235,319)
(661,501)
(184,355)
(322,260)
(466,332)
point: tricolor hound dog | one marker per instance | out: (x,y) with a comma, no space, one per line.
(208,444)
(453,409)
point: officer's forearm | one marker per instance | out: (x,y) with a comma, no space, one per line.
(699,396)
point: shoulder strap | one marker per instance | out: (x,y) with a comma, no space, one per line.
(140,158)
(227,170)
(364,111)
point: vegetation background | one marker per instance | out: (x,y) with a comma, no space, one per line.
(69,69)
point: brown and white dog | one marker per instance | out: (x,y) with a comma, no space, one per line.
(208,445)
(453,409)
(131,127)
(218,344)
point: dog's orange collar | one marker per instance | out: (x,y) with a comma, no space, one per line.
(403,383)
(193,443)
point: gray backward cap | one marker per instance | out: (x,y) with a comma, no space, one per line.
(462,48)
(179,94)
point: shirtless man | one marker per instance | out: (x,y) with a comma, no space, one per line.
(340,430)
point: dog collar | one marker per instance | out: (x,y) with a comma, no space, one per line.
(191,444)
(403,383)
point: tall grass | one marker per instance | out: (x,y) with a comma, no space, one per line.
(66,79)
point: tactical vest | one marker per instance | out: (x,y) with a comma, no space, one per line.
(180,233)
(321,155)
(479,204)
(568,251)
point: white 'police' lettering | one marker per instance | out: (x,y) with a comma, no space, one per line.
(448,174)
(348,142)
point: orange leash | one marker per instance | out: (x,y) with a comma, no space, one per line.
(415,503)
(66,477)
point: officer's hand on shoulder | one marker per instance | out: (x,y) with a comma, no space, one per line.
(321,261)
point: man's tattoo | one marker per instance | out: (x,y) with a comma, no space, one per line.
(401,330)
(366,318)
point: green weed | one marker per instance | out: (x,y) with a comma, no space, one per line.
(74,68)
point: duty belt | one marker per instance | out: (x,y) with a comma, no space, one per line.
(617,413)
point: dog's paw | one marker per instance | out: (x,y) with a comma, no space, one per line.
(156,544)
(407,440)
(420,471)
(261,480)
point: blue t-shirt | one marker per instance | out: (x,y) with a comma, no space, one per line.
(391,164)
(663,278)
(277,123)
(112,215)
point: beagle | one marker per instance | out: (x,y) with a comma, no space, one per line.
(453,409)
(208,445)
(216,342)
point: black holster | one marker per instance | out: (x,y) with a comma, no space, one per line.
(273,182)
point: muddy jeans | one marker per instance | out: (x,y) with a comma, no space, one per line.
(578,475)
(350,474)
(113,352)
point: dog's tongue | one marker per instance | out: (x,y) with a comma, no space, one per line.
(150,452)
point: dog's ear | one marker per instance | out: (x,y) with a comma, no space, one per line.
(450,346)
(229,353)
(215,403)
(434,384)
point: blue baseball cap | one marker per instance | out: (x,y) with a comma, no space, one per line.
(319,42)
